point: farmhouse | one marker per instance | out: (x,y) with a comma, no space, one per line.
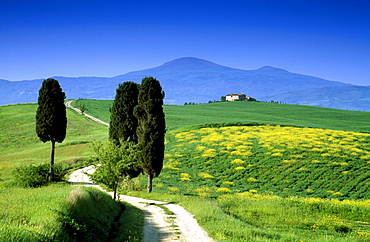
(237,97)
(233,97)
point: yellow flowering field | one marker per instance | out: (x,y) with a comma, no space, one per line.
(285,161)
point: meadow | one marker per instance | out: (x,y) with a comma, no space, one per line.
(20,144)
(247,171)
(280,173)
(247,112)
(43,214)
(286,161)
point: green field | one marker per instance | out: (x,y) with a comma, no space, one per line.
(34,214)
(20,144)
(302,174)
(285,161)
(248,112)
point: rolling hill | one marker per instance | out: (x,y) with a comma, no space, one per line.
(195,80)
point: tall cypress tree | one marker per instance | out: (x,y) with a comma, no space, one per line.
(151,128)
(123,123)
(51,117)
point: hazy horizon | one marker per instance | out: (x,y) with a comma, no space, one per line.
(40,39)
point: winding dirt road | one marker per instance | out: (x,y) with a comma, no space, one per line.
(158,226)
(182,226)
(68,105)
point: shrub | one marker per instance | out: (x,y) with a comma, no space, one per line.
(36,175)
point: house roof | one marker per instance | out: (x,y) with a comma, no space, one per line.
(237,94)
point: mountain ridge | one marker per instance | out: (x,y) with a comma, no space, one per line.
(187,79)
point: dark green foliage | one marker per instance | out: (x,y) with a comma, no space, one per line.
(123,123)
(51,116)
(82,108)
(37,175)
(51,119)
(151,128)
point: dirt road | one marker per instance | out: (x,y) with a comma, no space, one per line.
(158,226)
(68,105)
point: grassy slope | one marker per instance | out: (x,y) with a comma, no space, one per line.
(30,214)
(211,212)
(18,131)
(247,112)
(257,217)
(346,167)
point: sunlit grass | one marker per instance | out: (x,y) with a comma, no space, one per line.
(212,189)
(248,112)
(19,143)
(286,161)
(30,213)
(253,217)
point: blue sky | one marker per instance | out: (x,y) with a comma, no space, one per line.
(44,38)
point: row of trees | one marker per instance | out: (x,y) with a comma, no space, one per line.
(137,117)
(136,131)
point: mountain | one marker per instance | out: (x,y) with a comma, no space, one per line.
(355,98)
(191,80)
(196,80)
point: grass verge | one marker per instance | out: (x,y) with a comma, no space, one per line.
(271,218)
(61,212)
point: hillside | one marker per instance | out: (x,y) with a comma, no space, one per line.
(248,112)
(19,143)
(307,157)
(196,80)
(349,97)
(273,183)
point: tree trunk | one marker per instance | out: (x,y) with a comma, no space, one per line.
(115,191)
(114,194)
(150,179)
(51,170)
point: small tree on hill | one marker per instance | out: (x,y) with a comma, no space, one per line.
(82,108)
(123,123)
(151,128)
(116,162)
(51,117)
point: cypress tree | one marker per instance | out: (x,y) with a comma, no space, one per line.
(51,117)
(151,128)
(123,123)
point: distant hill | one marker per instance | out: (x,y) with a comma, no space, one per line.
(355,98)
(195,80)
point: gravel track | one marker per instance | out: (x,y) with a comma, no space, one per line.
(158,226)
(68,105)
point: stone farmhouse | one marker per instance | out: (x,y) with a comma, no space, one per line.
(238,97)
(233,97)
